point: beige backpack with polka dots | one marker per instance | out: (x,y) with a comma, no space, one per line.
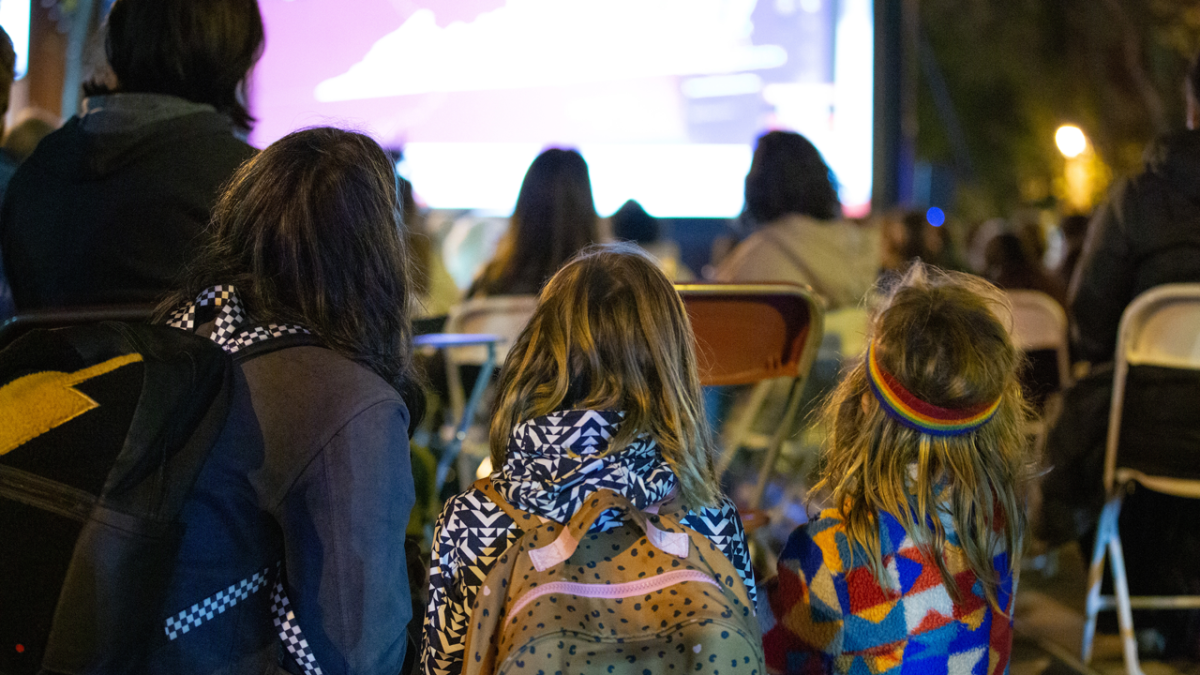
(648,597)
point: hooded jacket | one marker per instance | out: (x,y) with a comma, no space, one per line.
(107,209)
(552,465)
(1147,234)
(838,259)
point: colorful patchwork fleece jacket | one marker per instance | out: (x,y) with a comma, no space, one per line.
(828,614)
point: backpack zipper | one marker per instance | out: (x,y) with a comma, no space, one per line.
(612,591)
(43,493)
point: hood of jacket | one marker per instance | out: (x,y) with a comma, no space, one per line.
(554,462)
(115,130)
(1176,158)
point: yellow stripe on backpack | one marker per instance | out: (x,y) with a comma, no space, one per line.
(34,404)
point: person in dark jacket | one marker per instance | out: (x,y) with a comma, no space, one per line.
(293,553)
(1147,234)
(108,208)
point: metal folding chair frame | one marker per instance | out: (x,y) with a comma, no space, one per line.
(16,326)
(795,366)
(450,341)
(1117,479)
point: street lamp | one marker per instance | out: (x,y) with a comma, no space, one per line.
(1070,140)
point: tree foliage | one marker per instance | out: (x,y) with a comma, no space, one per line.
(1017,69)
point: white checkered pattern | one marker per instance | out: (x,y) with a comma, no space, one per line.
(231,328)
(290,633)
(197,614)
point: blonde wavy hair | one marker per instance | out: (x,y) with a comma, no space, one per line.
(611,333)
(940,334)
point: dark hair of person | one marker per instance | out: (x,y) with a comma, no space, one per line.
(632,223)
(554,219)
(200,50)
(309,232)
(420,248)
(788,175)
(8,65)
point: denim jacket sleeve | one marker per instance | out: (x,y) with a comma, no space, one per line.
(343,527)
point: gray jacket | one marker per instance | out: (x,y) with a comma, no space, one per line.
(309,485)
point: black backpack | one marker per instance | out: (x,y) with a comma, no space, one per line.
(103,430)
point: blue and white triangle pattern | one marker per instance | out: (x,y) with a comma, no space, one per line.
(471,532)
(723,526)
(554,462)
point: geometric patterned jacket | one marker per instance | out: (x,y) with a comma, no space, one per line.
(828,613)
(553,464)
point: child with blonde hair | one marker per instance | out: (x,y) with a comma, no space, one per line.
(599,392)
(916,564)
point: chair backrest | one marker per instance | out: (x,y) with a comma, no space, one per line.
(503,316)
(1039,323)
(22,323)
(1161,327)
(746,333)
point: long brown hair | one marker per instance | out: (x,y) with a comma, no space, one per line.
(554,219)
(309,233)
(939,334)
(611,333)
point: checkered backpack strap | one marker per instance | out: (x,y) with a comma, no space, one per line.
(284,618)
(232,329)
(289,631)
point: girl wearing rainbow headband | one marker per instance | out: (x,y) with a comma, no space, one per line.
(915,569)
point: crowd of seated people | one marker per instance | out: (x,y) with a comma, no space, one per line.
(313,255)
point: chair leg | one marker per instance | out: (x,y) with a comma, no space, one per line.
(1121,586)
(739,427)
(1095,578)
(786,425)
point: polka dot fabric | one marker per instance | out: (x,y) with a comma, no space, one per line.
(613,602)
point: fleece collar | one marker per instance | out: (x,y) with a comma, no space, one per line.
(554,462)
(125,113)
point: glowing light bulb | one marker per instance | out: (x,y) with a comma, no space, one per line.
(1070,140)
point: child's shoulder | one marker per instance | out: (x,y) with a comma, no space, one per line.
(815,543)
(821,542)
(470,510)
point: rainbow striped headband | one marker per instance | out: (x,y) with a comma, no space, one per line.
(918,415)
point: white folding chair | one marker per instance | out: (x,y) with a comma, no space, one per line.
(1161,327)
(450,341)
(502,316)
(1039,324)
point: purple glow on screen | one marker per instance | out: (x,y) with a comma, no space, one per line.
(663,97)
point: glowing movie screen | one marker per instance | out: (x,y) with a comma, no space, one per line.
(664,98)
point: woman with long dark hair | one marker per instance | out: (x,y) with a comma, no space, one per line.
(797,230)
(554,219)
(304,499)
